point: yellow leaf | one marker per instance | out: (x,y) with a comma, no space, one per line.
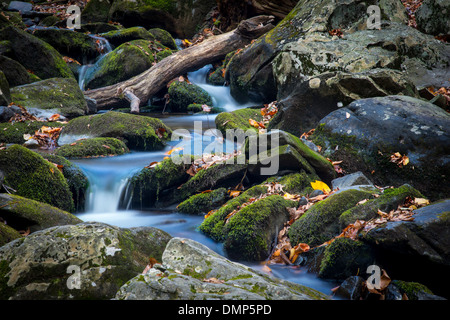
(253,123)
(319,185)
(289,196)
(173,150)
(421,201)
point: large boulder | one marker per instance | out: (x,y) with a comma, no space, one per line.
(15,73)
(117,37)
(126,61)
(182,94)
(432,17)
(5,94)
(138,132)
(31,176)
(35,54)
(55,95)
(92,147)
(190,270)
(83,261)
(370,131)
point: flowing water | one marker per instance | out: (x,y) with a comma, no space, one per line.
(108,178)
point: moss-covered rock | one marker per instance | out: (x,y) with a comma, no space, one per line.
(35,178)
(412,289)
(76,179)
(126,61)
(7,234)
(15,73)
(107,257)
(22,214)
(249,233)
(96,11)
(10,18)
(148,186)
(203,202)
(321,222)
(182,94)
(76,45)
(118,37)
(344,257)
(13,132)
(35,54)
(295,183)
(237,119)
(92,147)
(138,132)
(59,95)
(5,95)
(389,200)
(164,37)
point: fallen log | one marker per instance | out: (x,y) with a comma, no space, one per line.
(151,81)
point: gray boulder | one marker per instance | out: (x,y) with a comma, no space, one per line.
(191,271)
(433,17)
(84,261)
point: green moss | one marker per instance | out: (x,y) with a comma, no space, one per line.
(5,290)
(138,132)
(7,234)
(13,132)
(203,202)
(411,289)
(237,119)
(93,147)
(320,223)
(118,37)
(182,94)
(164,37)
(35,178)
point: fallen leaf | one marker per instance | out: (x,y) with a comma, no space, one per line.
(213,280)
(319,185)
(173,150)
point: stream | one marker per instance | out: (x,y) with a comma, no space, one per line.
(108,179)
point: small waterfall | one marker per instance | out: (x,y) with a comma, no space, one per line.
(103,47)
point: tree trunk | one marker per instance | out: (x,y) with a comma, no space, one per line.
(148,83)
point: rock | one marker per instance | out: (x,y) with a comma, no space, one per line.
(95,11)
(203,202)
(389,200)
(15,73)
(14,132)
(351,288)
(344,257)
(237,119)
(124,62)
(91,105)
(147,186)
(320,223)
(76,45)
(189,264)
(92,147)
(182,94)
(350,180)
(432,17)
(35,178)
(35,54)
(251,73)
(138,132)
(7,234)
(367,132)
(120,36)
(56,95)
(76,179)
(22,214)
(415,291)
(6,113)
(164,37)
(85,261)
(98,27)
(20,6)
(5,94)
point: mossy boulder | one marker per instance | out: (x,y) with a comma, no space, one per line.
(321,222)
(182,94)
(57,95)
(76,45)
(126,61)
(413,290)
(203,202)
(21,214)
(120,36)
(344,257)
(96,11)
(106,257)
(10,18)
(238,119)
(249,233)
(150,185)
(76,179)
(35,54)
(12,132)
(35,178)
(389,200)
(5,95)
(15,73)
(138,132)
(92,147)
(164,37)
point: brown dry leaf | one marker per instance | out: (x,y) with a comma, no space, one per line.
(265,268)
(152,165)
(160,132)
(211,212)
(192,171)
(173,150)
(213,280)
(234,193)
(253,123)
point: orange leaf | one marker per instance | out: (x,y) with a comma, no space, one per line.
(253,123)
